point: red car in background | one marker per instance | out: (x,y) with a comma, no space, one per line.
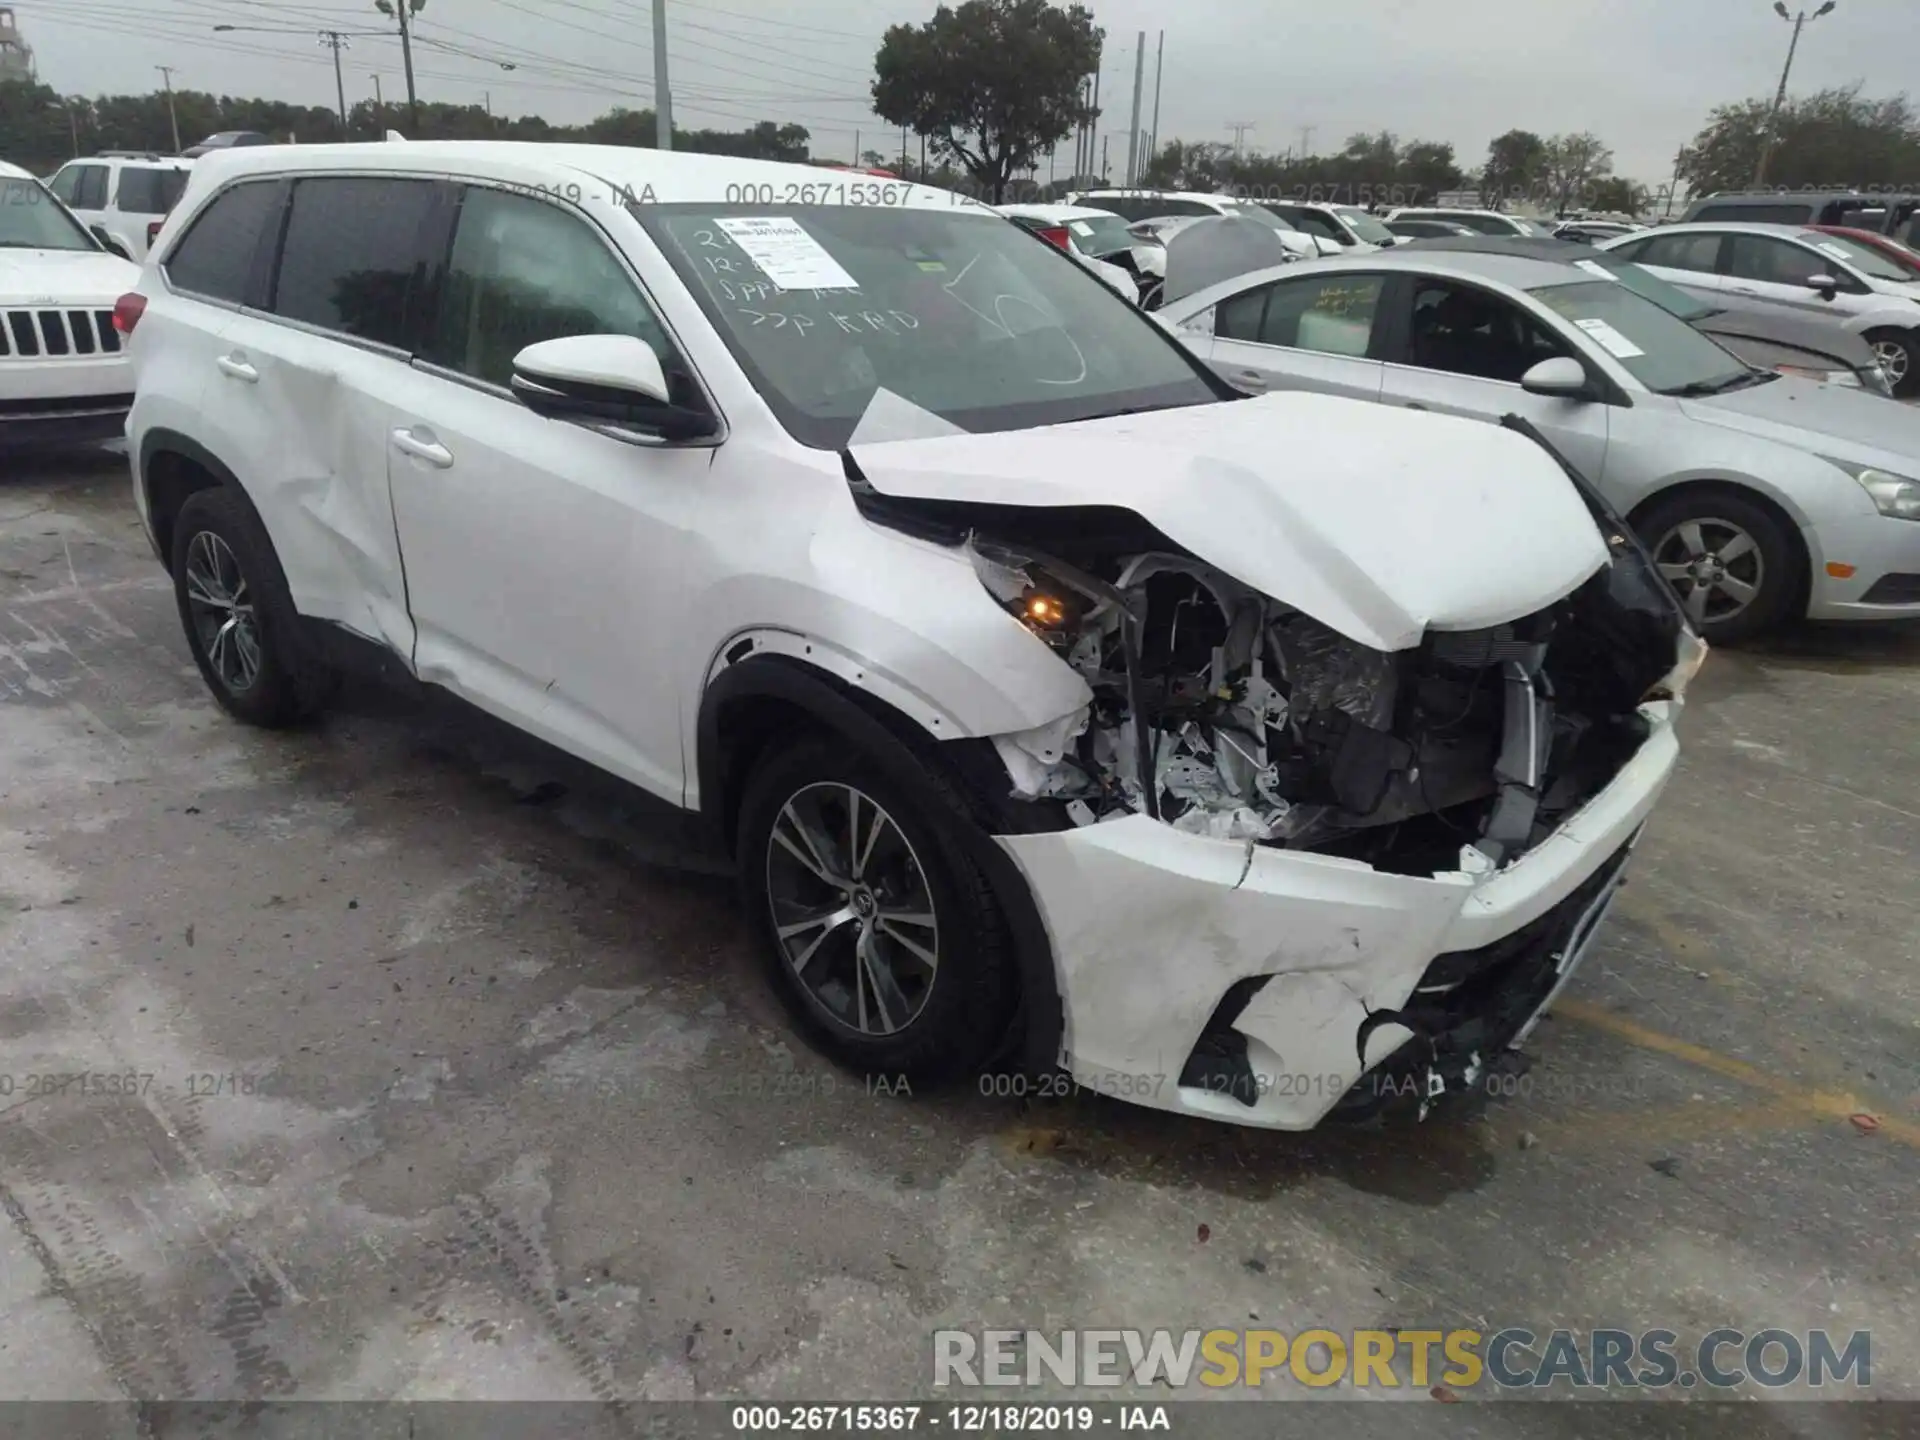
(1902,255)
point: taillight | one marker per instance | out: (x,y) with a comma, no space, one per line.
(127,311)
(1056,235)
(153,230)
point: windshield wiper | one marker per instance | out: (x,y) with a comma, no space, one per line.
(1741,381)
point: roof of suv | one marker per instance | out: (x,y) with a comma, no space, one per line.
(14,172)
(665,177)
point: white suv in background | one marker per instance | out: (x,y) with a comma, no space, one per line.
(64,379)
(844,515)
(123,196)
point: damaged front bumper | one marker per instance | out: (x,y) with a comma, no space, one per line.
(1272,987)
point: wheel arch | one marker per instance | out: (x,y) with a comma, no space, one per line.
(172,467)
(1793,524)
(763,700)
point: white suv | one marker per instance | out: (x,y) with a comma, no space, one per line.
(1060,705)
(123,197)
(64,379)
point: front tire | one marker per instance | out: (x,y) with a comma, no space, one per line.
(882,936)
(1899,355)
(238,614)
(1736,566)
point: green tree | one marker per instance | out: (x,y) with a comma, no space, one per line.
(993,84)
(1617,194)
(1570,165)
(1513,167)
(1835,137)
(1427,170)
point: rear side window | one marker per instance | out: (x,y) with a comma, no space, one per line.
(1758,214)
(1687,251)
(149,191)
(354,255)
(215,257)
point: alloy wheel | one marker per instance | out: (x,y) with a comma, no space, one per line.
(1893,359)
(851,908)
(221,605)
(1715,565)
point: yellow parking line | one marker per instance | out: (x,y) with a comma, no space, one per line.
(1826,1104)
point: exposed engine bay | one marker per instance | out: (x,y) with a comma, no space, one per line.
(1224,713)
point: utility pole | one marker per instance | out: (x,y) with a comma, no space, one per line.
(1240,129)
(662,96)
(1780,96)
(73,124)
(1306,141)
(1105,141)
(402,7)
(338,42)
(1159,66)
(856,151)
(1133,130)
(1093,129)
(166,74)
(903,149)
(379,108)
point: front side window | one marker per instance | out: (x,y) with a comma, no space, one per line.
(1315,223)
(1239,318)
(215,257)
(1864,258)
(950,309)
(1366,227)
(63,184)
(1660,350)
(523,271)
(1101,235)
(89,187)
(1462,330)
(1773,262)
(30,219)
(353,259)
(145,190)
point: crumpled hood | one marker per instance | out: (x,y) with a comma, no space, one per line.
(40,277)
(1825,419)
(1375,521)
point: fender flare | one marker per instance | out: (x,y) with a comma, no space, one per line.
(842,711)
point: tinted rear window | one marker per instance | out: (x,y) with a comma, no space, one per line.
(215,256)
(149,192)
(352,251)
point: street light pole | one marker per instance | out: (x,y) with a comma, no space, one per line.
(1780,96)
(662,94)
(338,42)
(166,74)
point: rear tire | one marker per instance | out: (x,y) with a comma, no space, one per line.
(1899,355)
(839,856)
(238,614)
(1751,562)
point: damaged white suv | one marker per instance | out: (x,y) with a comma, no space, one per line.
(1062,706)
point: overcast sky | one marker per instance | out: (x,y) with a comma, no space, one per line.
(1640,73)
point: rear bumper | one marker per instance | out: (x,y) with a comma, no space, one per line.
(1166,945)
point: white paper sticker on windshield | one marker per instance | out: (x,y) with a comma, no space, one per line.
(787,254)
(1594,267)
(1080,227)
(1838,252)
(1610,339)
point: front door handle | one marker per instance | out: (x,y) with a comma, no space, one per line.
(1251,379)
(235,367)
(431,451)
(1416,405)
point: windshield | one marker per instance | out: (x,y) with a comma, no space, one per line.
(1659,349)
(1864,258)
(1101,234)
(31,219)
(952,310)
(1253,211)
(150,191)
(1366,227)
(1643,281)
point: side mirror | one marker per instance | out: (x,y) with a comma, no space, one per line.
(614,379)
(1826,285)
(1562,376)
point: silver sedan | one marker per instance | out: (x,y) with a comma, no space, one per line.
(1763,496)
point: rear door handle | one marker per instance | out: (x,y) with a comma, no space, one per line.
(235,367)
(1416,405)
(431,451)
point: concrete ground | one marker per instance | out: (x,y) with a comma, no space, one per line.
(451,1085)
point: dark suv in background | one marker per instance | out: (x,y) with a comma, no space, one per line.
(1889,214)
